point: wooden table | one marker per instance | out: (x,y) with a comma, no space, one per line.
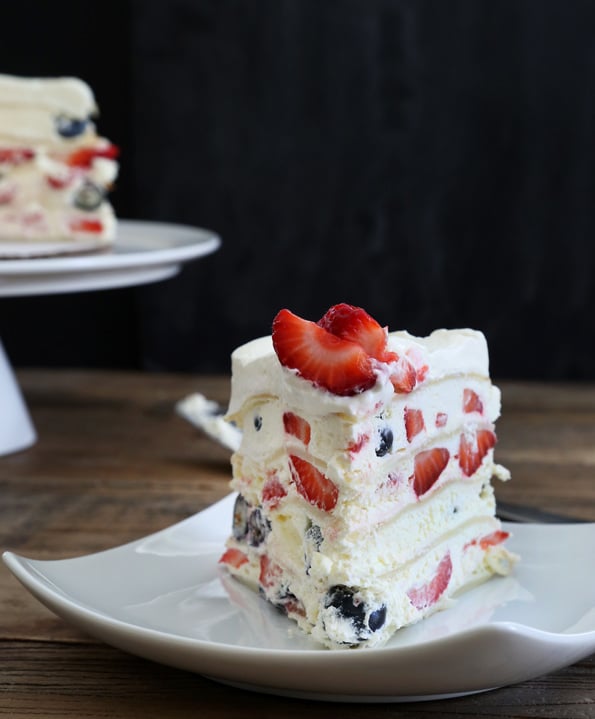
(114,463)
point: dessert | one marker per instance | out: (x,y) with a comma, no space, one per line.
(364,473)
(55,171)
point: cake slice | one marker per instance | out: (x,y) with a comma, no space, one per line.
(55,171)
(364,473)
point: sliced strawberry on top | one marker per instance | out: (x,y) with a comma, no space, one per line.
(414,422)
(340,366)
(471,401)
(313,485)
(473,448)
(297,426)
(428,466)
(233,557)
(356,325)
(428,594)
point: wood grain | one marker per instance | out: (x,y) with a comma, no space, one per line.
(113,463)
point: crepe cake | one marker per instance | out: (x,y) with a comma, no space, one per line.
(55,171)
(364,473)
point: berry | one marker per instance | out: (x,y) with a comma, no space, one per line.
(358,444)
(473,448)
(241,512)
(428,594)
(89,197)
(428,466)
(350,606)
(69,126)
(315,487)
(84,156)
(338,365)
(403,376)
(414,422)
(314,536)
(258,527)
(233,557)
(59,182)
(273,492)
(270,573)
(91,226)
(355,324)
(471,402)
(386,442)
(257,422)
(16,155)
(297,426)
(489,540)
(441,419)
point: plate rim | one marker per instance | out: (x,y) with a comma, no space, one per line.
(201,241)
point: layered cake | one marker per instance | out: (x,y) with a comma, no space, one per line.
(364,473)
(55,171)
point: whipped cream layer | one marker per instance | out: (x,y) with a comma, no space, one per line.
(382,547)
(55,171)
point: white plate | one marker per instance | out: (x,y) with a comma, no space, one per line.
(142,252)
(163,598)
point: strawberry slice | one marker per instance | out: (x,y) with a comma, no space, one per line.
(403,376)
(16,155)
(273,492)
(297,426)
(84,156)
(82,225)
(358,444)
(471,401)
(473,448)
(489,540)
(428,466)
(340,366)
(233,557)
(315,487)
(414,422)
(428,594)
(356,325)
(441,419)
(270,573)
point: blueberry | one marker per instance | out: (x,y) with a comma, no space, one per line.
(70,126)
(257,422)
(314,536)
(258,527)
(89,196)
(241,511)
(377,618)
(352,608)
(386,442)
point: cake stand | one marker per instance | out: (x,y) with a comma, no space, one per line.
(143,252)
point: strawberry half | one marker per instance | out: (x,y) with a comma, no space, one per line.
(473,448)
(233,557)
(297,426)
(428,466)
(340,366)
(403,376)
(414,422)
(315,487)
(428,594)
(356,325)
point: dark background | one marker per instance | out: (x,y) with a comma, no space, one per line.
(431,161)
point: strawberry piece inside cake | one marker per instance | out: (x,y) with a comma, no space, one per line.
(364,473)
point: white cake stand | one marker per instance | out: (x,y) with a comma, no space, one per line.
(144,252)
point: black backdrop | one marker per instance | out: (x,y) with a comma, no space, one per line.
(431,161)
